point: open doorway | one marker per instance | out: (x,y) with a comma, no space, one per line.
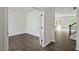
(25,28)
(65,27)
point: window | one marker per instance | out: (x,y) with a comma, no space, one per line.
(72,19)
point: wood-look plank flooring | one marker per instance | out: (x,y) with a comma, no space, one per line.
(27,42)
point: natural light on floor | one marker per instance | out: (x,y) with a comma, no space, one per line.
(58,28)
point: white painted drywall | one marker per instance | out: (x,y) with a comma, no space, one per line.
(49,24)
(77,35)
(33,22)
(68,14)
(1,28)
(65,11)
(16,22)
(6,40)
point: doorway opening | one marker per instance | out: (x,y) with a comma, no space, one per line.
(25,28)
(65,27)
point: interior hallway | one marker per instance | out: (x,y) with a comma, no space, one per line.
(27,42)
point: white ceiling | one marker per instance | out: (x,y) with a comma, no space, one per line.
(64,11)
(59,11)
(23,9)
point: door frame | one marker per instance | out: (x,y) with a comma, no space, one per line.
(41,38)
(42,30)
(4,29)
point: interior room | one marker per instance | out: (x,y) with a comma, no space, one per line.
(24,28)
(65,24)
(39,29)
(29,29)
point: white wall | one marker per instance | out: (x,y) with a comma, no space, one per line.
(33,22)
(6,41)
(20,22)
(49,24)
(17,22)
(68,14)
(77,35)
(1,28)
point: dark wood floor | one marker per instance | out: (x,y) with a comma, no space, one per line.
(27,42)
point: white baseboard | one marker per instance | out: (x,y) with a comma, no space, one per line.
(53,40)
(44,45)
(16,34)
(77,49)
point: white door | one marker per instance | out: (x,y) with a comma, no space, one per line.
(42,29)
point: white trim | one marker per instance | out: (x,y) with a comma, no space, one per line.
(5,24)
(48,43)
(77,49)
